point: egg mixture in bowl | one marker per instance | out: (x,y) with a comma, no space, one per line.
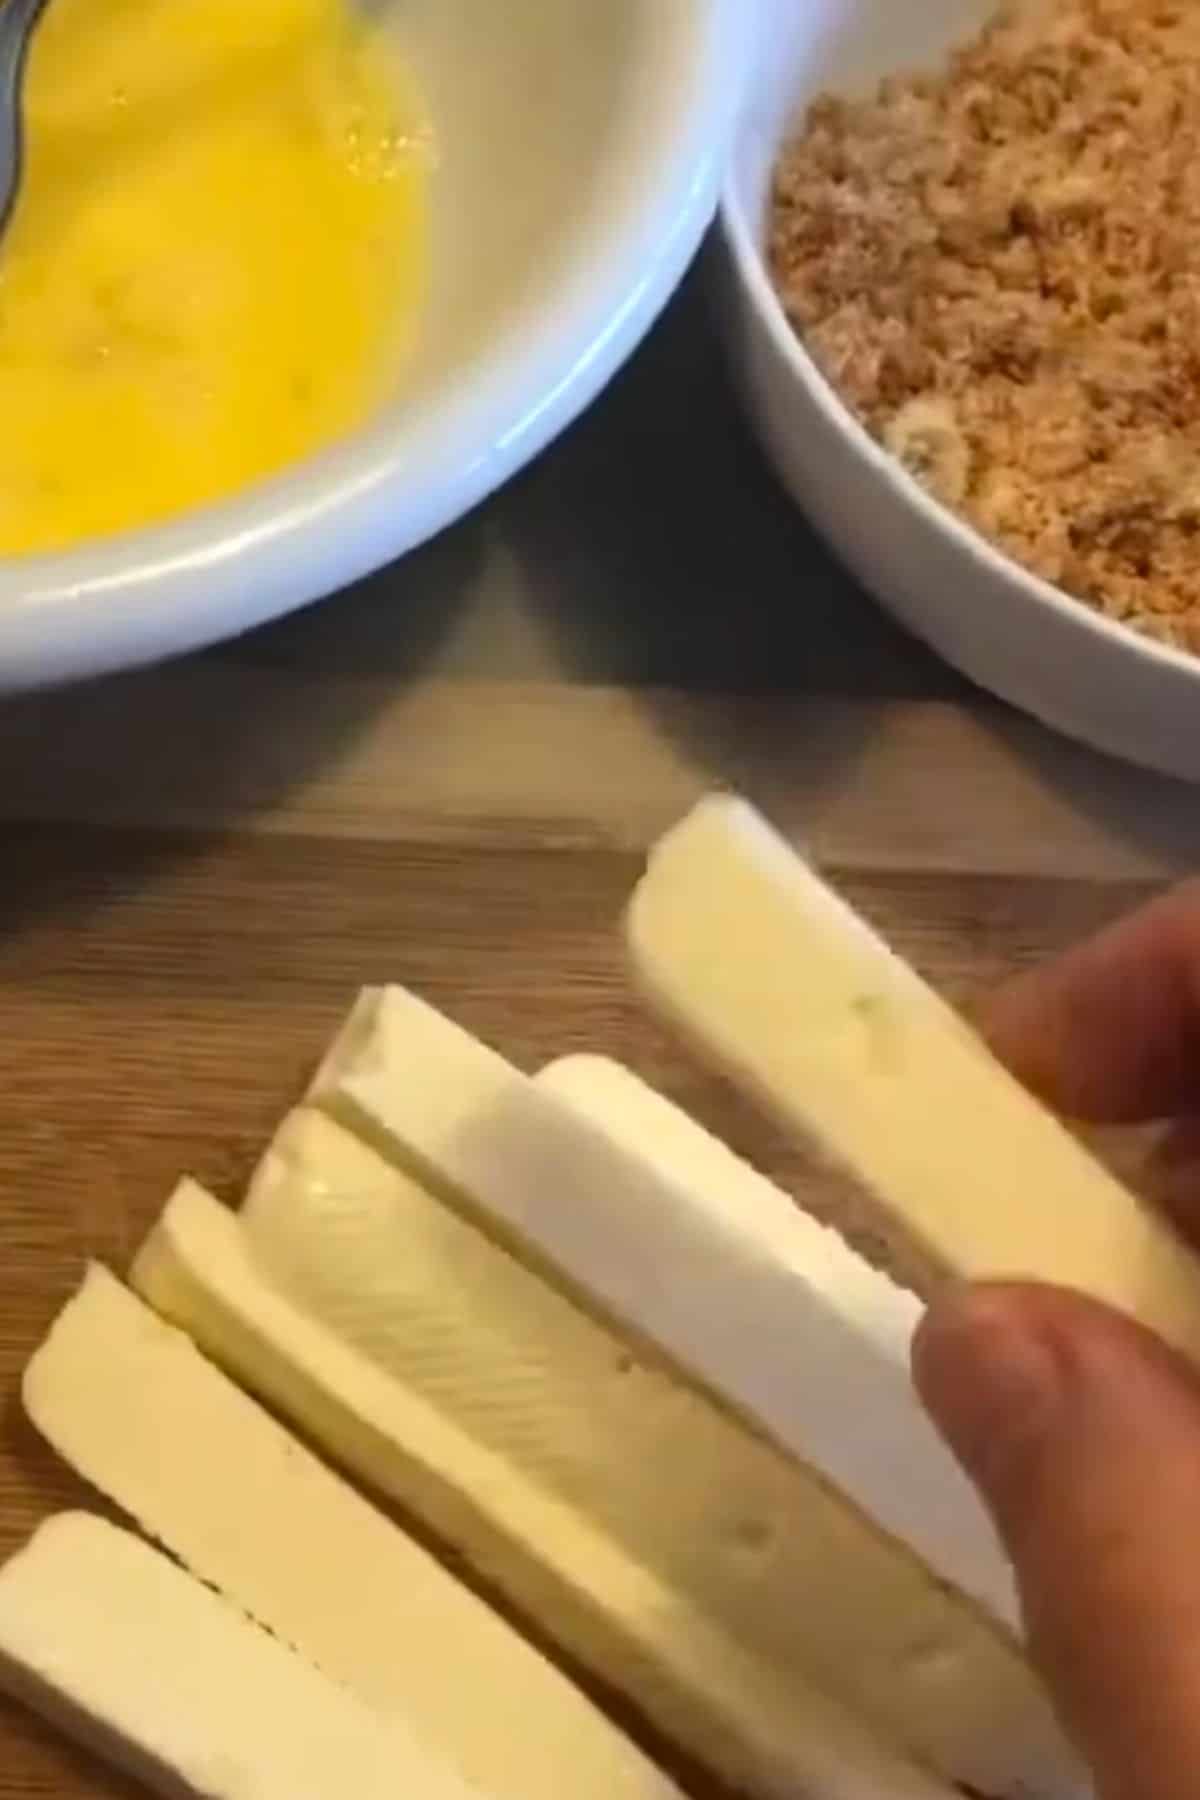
(577,151)
(217,257)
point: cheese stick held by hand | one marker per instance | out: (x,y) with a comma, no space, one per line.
(736,941)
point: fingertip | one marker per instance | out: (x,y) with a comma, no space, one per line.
(986,1372)
(1082,1432)
(1019,1023)
(1110,1032)
(964,1321)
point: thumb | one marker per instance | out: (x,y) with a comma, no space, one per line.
(1083,1434)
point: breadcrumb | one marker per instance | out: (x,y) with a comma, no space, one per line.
(998,267)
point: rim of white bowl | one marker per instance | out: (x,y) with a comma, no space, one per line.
(750,261)
(223,569)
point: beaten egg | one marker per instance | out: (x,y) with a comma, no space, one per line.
(216,258)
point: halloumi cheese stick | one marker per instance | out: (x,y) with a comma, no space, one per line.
(835,1329)
(109,1640)
(776,979)
(131,1404)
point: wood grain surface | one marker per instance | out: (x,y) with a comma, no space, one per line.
(448,779)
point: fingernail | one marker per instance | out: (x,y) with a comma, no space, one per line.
(990,1381)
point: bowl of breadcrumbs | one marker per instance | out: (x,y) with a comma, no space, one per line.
(961,265)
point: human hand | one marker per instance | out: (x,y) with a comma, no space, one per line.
(1081,1430)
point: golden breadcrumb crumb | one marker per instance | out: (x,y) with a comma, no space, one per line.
(998,267)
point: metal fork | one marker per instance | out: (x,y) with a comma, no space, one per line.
(18,20)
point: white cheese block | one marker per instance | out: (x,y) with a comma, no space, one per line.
(774,977)
(769,1732)
(744,1549)
(825,1338)
(131,1404)
(112,1642)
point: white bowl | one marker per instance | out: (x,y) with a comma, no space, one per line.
(582,144)
(1008,630)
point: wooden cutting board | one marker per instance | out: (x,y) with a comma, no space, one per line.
(449,779)
(166,991)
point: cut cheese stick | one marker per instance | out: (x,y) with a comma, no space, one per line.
(112,1642)
(767,1731)
(776,1318)
(737,942)
(810,1306)
(745,1544)
(131,1404)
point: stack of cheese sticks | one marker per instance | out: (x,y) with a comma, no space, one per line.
(658,1412)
